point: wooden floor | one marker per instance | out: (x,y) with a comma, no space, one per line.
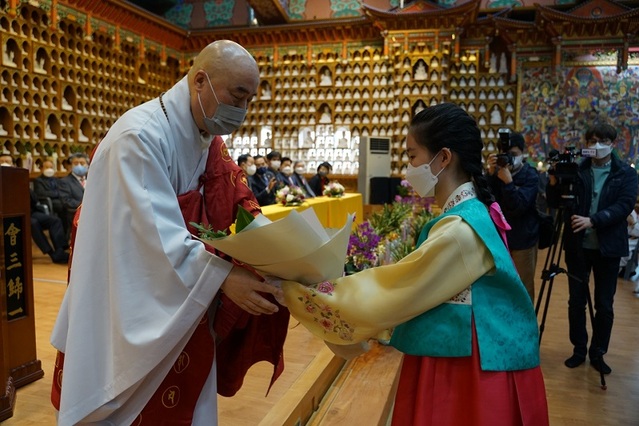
(574,396)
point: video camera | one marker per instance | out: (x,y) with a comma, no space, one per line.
(565,168)
(563,165)
(504,158)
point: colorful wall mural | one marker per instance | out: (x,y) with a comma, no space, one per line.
(556,109)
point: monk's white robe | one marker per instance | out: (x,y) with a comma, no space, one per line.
(139,284)
(354,308)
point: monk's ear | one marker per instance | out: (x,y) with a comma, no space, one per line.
(199,80)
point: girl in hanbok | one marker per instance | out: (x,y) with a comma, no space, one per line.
(460,313)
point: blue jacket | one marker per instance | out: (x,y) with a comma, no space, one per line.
(616,201)
(259,186)
(518,202)
(505,321)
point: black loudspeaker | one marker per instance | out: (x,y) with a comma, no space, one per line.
(383,190)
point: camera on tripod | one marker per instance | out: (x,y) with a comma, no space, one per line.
(504,158)
(563,165)
(565,168)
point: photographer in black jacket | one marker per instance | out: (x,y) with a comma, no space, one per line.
(595,238)
(515,185)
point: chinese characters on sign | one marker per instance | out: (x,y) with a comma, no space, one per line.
(14,269)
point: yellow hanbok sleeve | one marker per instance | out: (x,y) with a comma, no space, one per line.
(356,307)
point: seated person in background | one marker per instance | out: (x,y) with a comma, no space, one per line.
(247,163)
(263,182)
(46,186)
(299,168)
(274,161)
(6,160)
(285,175)
(320,180)
(41,221)
(72,186)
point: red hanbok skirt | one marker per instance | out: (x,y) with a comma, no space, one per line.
(456,392)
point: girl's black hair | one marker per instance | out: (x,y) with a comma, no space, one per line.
(448,126)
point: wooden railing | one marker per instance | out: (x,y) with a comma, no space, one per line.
(336,392)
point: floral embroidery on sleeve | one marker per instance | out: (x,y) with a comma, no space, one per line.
(323,314)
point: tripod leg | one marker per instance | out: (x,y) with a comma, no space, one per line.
(551,268)
(542,325)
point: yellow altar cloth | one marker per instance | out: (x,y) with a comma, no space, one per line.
(331,212)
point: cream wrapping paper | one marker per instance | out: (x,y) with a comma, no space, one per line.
(296,247)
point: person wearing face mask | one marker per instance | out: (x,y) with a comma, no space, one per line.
(595,238)
(6,160)
(72,186)
(461,314)
(153,325)
(299,169)
(247,163)
(274,161)
(320,180)
(285,175)
(47,186)
(515,187)
(263,182)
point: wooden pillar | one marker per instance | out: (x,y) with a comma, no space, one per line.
(556,57)
(116,39)
(487,52)
(141,48)
(88,29)
(13,8)
(54,15)
(385,35)
(18,361)
(622,54)
(513,61)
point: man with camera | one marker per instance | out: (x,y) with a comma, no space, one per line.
(515,184)
(602,193)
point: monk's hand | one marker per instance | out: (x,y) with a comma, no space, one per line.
(242,287)
(277,283)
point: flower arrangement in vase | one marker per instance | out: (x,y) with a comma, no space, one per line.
(290,196)
(334,189)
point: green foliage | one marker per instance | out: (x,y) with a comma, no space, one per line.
(243,219)
(207,232)
(390,218)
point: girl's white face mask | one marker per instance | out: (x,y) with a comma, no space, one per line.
(422,179)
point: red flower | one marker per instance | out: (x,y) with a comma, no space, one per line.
(326,323)
(325,287)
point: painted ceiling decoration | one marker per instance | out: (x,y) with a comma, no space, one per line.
(269,12)
(220,13)
(553,29)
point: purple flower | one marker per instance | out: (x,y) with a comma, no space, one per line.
(362,247)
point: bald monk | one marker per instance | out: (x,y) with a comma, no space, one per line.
(133,329)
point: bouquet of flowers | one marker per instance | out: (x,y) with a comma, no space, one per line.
(290,196)
(300,248)
(363,249)
(334,189)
